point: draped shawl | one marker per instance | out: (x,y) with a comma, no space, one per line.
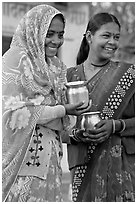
(110,90)
(105,171)
(27,87)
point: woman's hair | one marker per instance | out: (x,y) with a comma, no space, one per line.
(60,15)
(94,24)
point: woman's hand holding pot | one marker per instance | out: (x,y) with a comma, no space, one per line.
(100,133)
(74,109)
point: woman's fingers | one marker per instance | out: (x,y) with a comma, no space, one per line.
(95,138)
(80,111)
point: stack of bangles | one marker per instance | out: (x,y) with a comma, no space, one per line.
(74,135)
(123,126)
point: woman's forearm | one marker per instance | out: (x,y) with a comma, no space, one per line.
(126,127)
(129,128)
(51,113)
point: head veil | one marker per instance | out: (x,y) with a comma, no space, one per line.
(27,87)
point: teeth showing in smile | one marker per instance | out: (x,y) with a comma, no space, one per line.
(110,49)
(52,48)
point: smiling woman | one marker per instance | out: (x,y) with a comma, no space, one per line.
(54,37)
(102,160)
(104,42)
(35,109)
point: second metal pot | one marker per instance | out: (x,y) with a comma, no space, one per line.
(89,120)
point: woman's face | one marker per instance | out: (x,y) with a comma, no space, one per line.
(105,41)
(54,37)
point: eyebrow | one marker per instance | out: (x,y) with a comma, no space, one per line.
(111,33)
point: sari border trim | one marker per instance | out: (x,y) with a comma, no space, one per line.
(117,95)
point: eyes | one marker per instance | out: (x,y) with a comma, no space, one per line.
(51,34)
(109,35)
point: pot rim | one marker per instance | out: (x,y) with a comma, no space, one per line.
(91,113)
(75,83)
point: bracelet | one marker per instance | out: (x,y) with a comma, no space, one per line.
(74,136)
(113,126)
(123,124)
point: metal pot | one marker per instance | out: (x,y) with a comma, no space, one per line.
(89,120)
(77,92)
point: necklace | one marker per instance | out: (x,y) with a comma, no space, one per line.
(102,65)
(93,81)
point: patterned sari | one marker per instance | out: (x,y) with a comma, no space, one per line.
(105,172)
(32,151)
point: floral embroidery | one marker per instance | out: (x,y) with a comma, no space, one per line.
(100,180)
(18,186)
(57,181)
(116,151)
(20,80)
(101,198)
(98,199)
(14,103)
(34,189)
(20,118)
(103,154)
(127,175)
(119,178)
(38,100)
(27,70)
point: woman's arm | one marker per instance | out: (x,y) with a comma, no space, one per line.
(51,113)
(129,128)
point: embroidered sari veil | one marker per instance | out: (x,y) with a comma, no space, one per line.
(27,87)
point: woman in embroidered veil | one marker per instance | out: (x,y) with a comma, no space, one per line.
(101,161)
(35,109)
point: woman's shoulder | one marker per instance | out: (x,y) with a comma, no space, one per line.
(124,64)
(12,56)
(73,71)
(58,62)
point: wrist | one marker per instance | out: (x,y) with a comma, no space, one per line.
(65,108)
(73,135)
(61,111)
(118,126)
(123,125)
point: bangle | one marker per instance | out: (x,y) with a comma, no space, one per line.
(123,124)
(74,136)
(113,126)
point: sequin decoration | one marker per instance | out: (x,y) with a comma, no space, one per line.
(111,105)
(79,174)
(117,95)
(91,149)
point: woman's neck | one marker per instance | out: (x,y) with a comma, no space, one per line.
(96,63)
